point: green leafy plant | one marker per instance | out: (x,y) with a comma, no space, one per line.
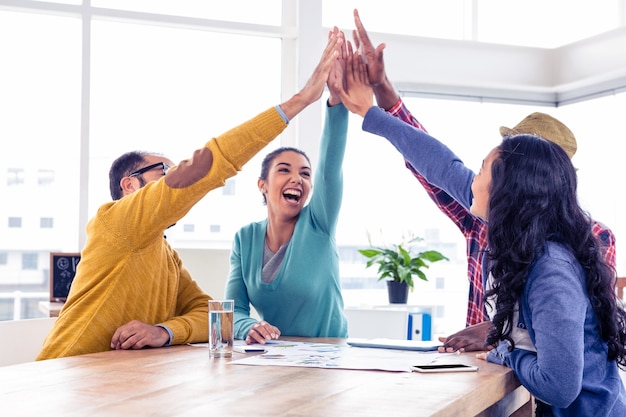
(398,263)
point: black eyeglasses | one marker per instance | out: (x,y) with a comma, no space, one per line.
(165,167)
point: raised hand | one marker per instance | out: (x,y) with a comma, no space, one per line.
(373,56)
(386,95)
(337,71)
(314,87)
(357,95)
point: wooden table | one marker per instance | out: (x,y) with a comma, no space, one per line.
(183,381)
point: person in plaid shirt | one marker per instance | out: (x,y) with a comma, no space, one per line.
(473,228)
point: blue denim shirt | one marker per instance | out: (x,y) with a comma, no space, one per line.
(570,370)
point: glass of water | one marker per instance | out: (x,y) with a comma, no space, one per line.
(221,328)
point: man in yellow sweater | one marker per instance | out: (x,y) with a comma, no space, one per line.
(131,289)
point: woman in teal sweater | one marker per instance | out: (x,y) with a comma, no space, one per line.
(287,265)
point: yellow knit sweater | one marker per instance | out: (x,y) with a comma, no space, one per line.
(129,272)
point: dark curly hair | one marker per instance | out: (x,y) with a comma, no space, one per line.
(533,200)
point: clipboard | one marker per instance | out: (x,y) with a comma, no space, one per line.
(399,344)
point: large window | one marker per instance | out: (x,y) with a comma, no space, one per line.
(470,129)
(40,80)
(82,84)
(383,199)
(182,88)
(266,12)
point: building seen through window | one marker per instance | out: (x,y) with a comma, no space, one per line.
(45,176)
(15,176)
(15,222)
(46,222)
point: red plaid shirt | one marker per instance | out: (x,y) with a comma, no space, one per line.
(475,230)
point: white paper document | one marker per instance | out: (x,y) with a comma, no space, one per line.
(324,355)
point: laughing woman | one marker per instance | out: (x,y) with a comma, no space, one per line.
(287,266)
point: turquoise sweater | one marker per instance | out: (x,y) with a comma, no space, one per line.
(305,298)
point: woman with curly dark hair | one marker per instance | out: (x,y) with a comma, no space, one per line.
(556,318)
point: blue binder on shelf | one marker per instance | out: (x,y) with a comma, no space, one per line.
(419,326)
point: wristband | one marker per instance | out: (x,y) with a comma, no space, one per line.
(282,114)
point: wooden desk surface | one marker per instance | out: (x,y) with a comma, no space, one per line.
(183,381)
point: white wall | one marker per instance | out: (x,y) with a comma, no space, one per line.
(209,267)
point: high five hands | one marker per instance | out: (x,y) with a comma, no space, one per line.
(355,89)
(357,95)
(348,81)
(338,69)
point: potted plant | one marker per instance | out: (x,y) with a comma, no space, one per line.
(399,264)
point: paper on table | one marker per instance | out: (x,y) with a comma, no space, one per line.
(324,355)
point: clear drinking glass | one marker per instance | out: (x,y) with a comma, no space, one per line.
(221,328)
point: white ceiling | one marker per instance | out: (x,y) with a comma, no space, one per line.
(589,68)
(573,51)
